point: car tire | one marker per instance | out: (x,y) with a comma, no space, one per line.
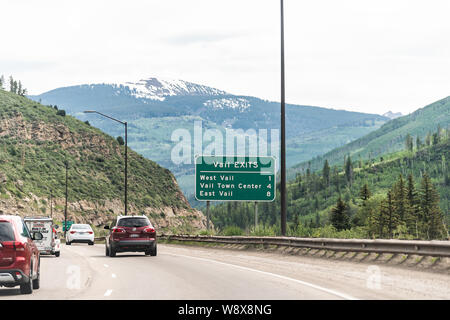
(106,251)
(112,252)
(153,252)
(68,243)
(57,254)
(27,287)
(37,281)
(91,243)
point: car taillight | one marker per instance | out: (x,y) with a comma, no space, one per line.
(118,230)
(17,245)
(72,232)
(149,230)
(90,232)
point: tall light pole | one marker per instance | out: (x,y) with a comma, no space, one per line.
(126,152)
(51,203)
(283,129)
(67,194)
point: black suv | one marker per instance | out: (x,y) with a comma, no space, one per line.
(130,234)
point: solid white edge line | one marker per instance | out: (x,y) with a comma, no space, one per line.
(330,291)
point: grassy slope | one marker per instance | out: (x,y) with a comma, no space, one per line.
(34,163)
(390,137)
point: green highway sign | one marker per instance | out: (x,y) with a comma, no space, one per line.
(69,224)
(234,178)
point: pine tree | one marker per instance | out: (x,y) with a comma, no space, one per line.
(19,88)
(11,84)
(409,142)
(336,179)
(388,211)
(349,170)
(365,193)
(418,143)
(339,216)
(428,139)
(380,219)
(432,224)
(326,173)
(15,85)
(399,198)
(412,217)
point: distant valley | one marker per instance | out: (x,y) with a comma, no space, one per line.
(154,108)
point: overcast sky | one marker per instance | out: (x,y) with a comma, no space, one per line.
(370,56)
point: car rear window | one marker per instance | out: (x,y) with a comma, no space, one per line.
(133,222)
(81,227)
(6,232)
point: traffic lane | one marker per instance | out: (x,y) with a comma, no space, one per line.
(171,276)
(63,277)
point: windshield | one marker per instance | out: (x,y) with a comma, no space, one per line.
(134,222)
(6,232)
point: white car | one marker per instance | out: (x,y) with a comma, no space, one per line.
(81,233)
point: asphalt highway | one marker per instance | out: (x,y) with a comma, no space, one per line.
(182,272)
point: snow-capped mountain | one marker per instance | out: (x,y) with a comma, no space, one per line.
(392,115)
(159,89)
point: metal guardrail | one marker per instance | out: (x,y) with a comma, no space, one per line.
(433,248)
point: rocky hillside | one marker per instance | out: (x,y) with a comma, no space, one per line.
(36,142)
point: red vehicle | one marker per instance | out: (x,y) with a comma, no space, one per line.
(19,256)
(130,234)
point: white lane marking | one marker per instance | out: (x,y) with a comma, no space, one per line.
(330,291)
(108,293)
(113,275)
(105,265)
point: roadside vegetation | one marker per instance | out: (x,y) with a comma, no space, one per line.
(402,195)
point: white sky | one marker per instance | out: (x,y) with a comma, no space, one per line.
(370,56)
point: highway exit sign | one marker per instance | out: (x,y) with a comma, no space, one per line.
(69,224)
(234,178)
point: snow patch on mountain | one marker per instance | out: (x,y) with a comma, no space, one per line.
(239,104)
(392,115)
(159,89)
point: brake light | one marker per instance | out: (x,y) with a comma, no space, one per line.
(90,232)
(20,246)
(118,230)
(72,232)
(149,230)
(16,245)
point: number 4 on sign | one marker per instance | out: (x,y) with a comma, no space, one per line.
(269,186)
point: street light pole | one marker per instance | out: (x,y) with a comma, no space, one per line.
(283,130)
(51,204)
(126,168)
(65,207)
(126,152)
